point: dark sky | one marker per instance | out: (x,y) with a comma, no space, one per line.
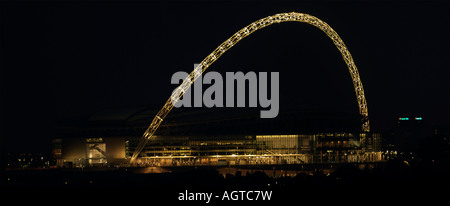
(61,60)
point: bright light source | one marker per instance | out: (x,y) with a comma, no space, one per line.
(418,118)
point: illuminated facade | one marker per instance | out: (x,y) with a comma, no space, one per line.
(217,137)
(259,149)
(87,152)
(221,150)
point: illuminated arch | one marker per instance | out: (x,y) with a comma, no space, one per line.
(233,40)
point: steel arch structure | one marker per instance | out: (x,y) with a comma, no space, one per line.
(238,36)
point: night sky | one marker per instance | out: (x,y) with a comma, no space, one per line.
(62,60)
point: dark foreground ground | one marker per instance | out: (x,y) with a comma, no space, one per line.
(393,180)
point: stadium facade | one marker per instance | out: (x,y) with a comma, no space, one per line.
(215,137)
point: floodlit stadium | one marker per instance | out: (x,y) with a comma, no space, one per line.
(221,136)
(212,137)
